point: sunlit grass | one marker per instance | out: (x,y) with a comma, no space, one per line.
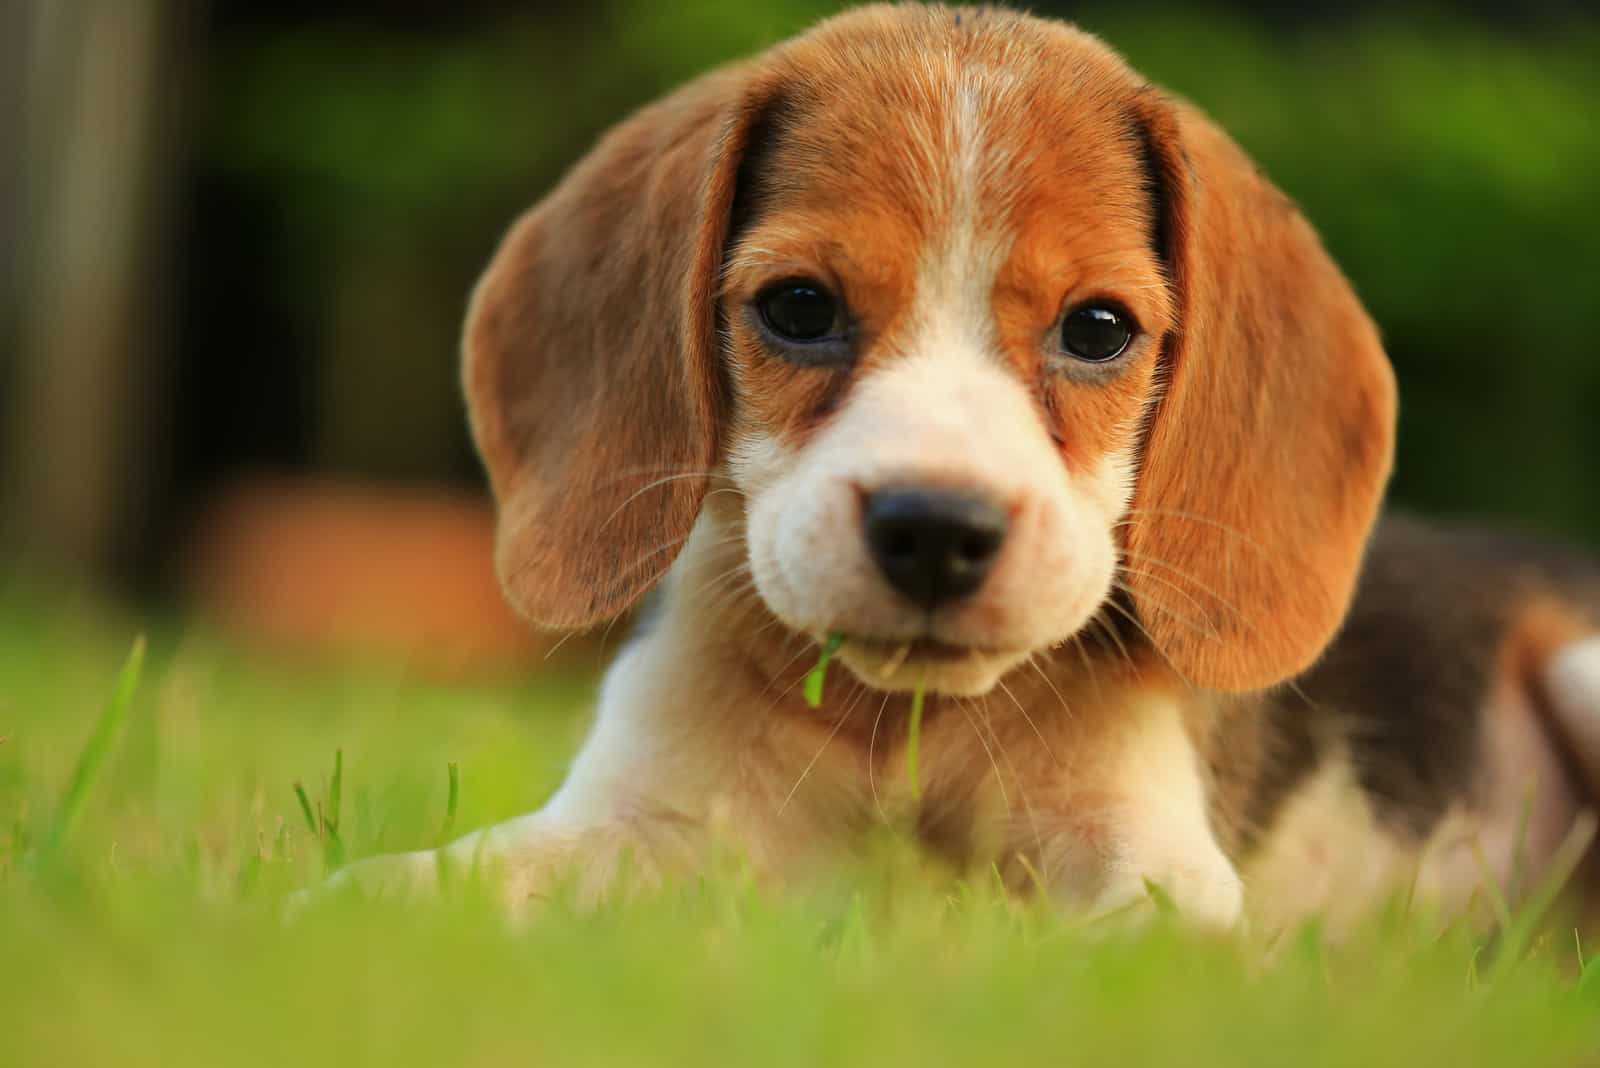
(153,821)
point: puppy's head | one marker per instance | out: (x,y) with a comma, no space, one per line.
(983,330)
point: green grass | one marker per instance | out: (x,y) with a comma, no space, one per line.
(150,828)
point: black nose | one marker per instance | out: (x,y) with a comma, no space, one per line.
(933,545)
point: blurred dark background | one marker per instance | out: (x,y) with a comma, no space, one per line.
(238,236)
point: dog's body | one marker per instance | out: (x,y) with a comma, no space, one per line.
(943,332)
(1429,740)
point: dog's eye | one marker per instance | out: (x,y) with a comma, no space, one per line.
(799,311)
(1097,332)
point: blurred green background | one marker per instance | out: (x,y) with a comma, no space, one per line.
(239,235)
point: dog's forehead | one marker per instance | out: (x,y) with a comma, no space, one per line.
(922,113)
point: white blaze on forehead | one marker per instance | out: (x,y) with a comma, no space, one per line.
(968,239)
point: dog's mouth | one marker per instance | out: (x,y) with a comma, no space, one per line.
(940,666)
(893,654)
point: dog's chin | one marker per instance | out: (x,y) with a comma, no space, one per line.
(959,671)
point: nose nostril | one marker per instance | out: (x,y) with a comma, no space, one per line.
(900,543)
(977,548)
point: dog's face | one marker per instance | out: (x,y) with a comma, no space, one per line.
(942,336)
(980,327)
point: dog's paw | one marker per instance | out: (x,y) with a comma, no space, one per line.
(1206,893)
(394,876)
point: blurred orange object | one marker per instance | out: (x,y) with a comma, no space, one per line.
(405,574)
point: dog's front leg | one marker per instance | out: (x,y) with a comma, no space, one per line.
(644,796)
(1135,818)
(526,857)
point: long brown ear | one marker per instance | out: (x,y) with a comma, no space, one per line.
(1273,439)
(590,357)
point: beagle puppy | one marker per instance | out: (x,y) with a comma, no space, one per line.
(942,331)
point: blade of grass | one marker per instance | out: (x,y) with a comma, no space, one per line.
(305,809)
(1568,855)
(1491,888)
(333,849)
(855,943)
(1040,887)
(336,791)
(91,761)
(913,738)
(450,802)
(1519,844)
(812,687)
(1159,897)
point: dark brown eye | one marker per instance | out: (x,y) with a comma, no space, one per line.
(799,311)
(1096,333)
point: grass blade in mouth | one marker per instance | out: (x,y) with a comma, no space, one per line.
(812,688)
(813,684)
(913,735)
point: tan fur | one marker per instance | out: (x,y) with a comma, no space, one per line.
(591,358)
(1269,504)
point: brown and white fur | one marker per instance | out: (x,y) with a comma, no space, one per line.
(1142,687)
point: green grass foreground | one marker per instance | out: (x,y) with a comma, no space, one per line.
(149,834)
